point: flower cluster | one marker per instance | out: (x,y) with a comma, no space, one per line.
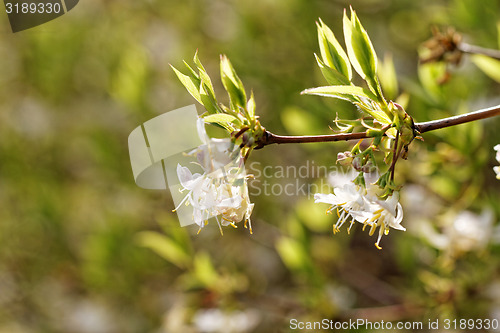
(497,168)
(221,190)
(362,205)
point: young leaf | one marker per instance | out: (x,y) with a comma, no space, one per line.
(219,118)
(360,50)
(208,99)
(487,65)
(332,53)
(251,106)
(164,247)
(191,83)
(343,92)
(232,82)
(204,78)
(331,75)
(388,78)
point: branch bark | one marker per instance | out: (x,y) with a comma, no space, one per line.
(270,138)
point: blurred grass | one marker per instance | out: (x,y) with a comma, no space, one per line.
(73,89)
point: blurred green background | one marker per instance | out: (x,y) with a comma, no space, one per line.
(83,249)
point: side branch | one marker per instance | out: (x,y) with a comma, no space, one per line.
(473,49)
(457,120)
(269,138)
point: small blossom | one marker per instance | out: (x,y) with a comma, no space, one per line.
(344,158)
(221,191)
(497,168)
(463,232)
(362,205)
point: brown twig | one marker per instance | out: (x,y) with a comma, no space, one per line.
(473,49)
(269,138)
(457,120)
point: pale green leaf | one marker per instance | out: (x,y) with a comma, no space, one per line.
(360,50)
(332,54)
(489,66)
(292,253)
(204,270)
(219,118)
(251,105)
(204,78)
(342,92)
(208,100)
(331,75)
(164,247)
(191,84)
(232,83)
(388,78)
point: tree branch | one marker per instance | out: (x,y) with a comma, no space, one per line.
(457,120)
(473,49)
(269,138)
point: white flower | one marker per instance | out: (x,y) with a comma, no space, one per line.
(362,205)
(463,232)
(216,321)
(497,168)
(349,203)
(389,213)
(221,191)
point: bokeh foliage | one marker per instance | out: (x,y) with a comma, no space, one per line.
(76,232)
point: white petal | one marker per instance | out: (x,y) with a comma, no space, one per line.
(325,198)
(391,203)
(396,223)
(497,170)
(200,125)
(232,202)
(184,174)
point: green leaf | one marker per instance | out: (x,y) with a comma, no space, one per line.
(251,106)
(343,92)
(219,118)
(360,50)
(388,78)
(332,53)
(208,99)
(232,83)
(164,247)
(489,66)
(204,78)
(204,270)
(292,253)
(197,62)
(191,83)
(331,75)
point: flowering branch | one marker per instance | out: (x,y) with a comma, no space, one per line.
(372,197)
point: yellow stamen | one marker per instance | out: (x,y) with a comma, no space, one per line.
(378,246)
(372,230)
(349,229)
(365,224)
